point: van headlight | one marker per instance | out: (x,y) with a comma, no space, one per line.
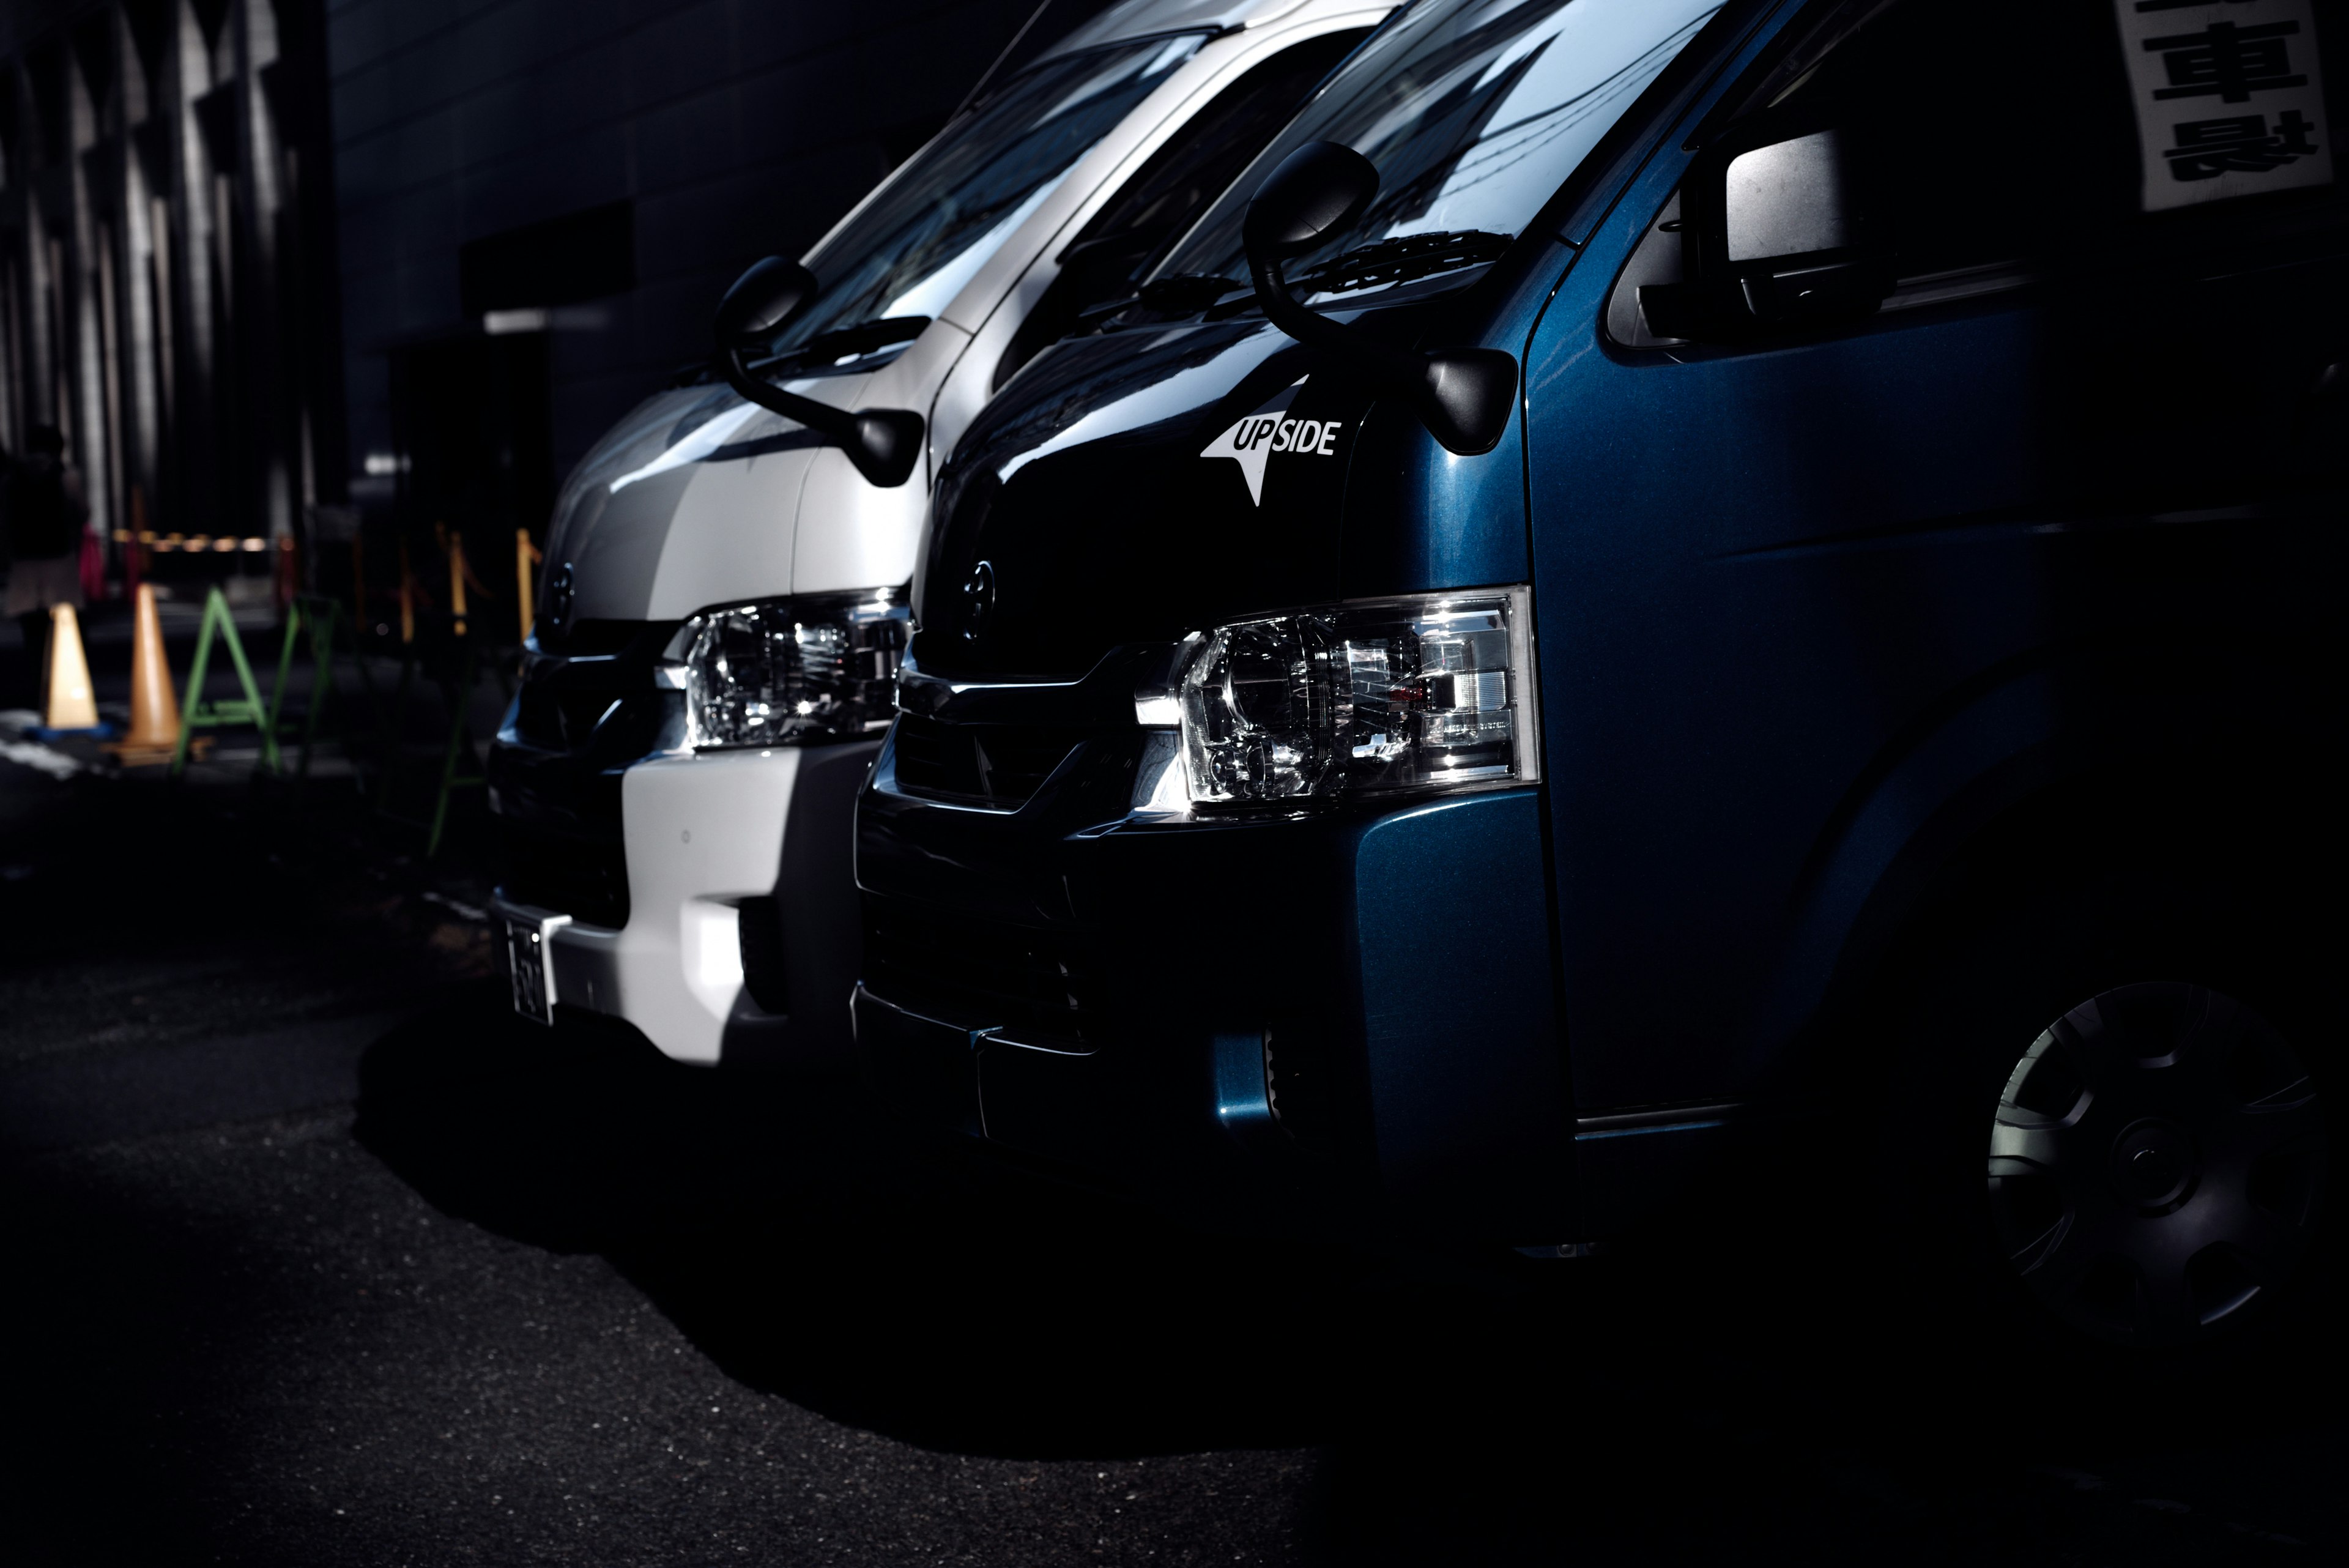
(1434,692)
(783,672)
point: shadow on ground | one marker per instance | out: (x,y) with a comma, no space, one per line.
(816,1248)
(1718,1407)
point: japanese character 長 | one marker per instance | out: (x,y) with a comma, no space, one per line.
(2208,148)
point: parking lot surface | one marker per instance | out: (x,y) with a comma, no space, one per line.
(313,1255)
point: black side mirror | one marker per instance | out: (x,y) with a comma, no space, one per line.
(884,443)
(762,299)
(1462,396)
(1775,236)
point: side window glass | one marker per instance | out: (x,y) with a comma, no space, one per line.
(1975,141)
(1157,204)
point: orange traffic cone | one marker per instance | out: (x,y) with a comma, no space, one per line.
(72,705)
(154,706)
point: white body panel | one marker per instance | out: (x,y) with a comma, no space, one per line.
(696,500)
(701,832)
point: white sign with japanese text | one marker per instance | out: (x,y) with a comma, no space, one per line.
(2229,98)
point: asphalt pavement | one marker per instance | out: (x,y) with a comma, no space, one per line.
(311,1254)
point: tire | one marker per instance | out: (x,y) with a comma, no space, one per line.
(2106,1134)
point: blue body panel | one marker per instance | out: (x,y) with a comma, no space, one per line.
(1420,519)
(1459,1036)
(1798,603)
(1814,620)
(1367,980)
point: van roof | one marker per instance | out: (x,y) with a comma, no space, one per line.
(1141,19)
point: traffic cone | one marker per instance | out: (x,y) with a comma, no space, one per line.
(72,705)
(154,706)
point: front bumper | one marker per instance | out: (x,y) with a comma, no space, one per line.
(738,937)
(1279,1024)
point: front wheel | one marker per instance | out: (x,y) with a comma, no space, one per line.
(2155,1162)
(2107,1130)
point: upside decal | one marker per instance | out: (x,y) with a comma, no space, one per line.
(1253,440)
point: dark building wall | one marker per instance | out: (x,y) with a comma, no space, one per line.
(730,128)
(166,261)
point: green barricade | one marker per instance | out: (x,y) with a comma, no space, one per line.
(196,713)
(319,619)
(312,617)
(463,746)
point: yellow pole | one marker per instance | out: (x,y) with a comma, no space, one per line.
(526,556)
(457,580)
(407,597)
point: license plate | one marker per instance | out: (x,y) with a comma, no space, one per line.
(530,965)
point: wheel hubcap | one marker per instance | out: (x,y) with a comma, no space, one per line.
(2154,1163)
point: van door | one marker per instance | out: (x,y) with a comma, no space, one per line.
(1824,540)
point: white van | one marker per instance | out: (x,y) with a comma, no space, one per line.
(724,601)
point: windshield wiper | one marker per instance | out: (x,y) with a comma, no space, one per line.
(1403,260)
(842,342)
(1178,294)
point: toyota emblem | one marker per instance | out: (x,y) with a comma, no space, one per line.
(977,600)
(562,587)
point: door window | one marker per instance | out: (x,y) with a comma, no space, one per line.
(1995,140)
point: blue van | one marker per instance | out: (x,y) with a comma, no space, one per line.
(1661,578)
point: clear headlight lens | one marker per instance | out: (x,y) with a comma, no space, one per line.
(796,671)
(1429,692)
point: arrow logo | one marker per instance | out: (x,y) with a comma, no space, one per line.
(1252,440)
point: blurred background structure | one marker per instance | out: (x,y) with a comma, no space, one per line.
(167,258)
(277,266)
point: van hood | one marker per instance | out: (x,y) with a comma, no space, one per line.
(691,499)
(1137,485)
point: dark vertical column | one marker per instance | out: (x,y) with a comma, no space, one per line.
(12,234)
(296,87)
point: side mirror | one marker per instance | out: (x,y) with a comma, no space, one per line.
(884,443)
(1464,396)
(1320,189)
(762,299)
(1774,235)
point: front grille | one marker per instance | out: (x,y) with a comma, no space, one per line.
(596,638)
(987,764)
(592,694)
(601,727)
(976,971)
(586,879)
(557,719)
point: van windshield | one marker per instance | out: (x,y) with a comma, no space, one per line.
(1474,112)
(942,215)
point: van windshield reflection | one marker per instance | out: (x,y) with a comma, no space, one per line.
(1474,112)
(926,235)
